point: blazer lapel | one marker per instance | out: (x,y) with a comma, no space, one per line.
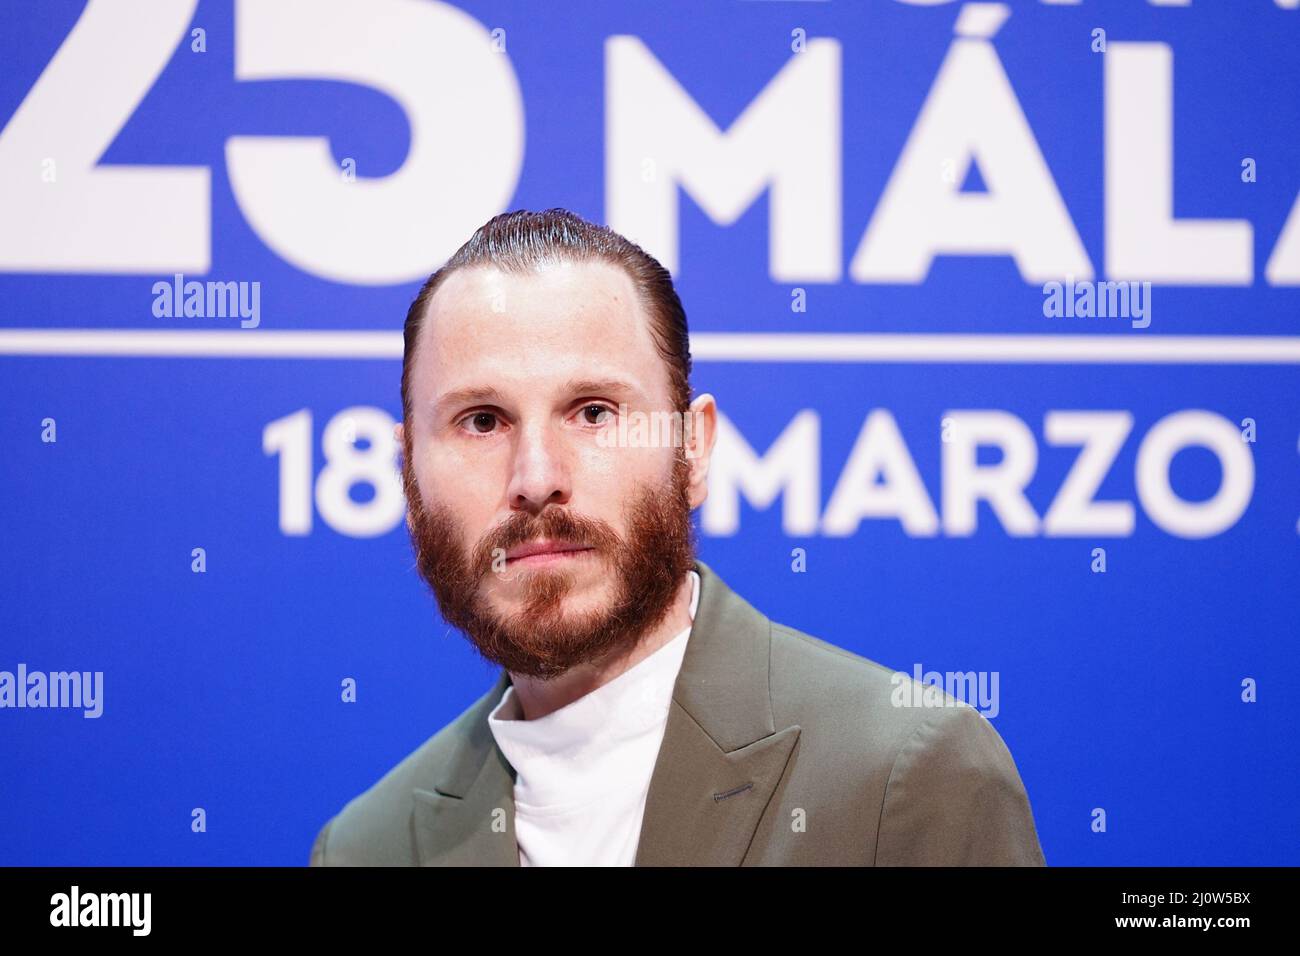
(722,755)
(720,762)
(466,816)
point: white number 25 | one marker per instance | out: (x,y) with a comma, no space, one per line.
(63,213)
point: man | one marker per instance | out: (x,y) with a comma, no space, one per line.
(645,713)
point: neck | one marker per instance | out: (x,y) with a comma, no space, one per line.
(537,698)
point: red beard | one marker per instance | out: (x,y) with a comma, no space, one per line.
(541,640)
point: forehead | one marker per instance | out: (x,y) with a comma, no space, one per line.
(529,331)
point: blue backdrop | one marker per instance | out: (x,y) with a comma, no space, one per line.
(908,177)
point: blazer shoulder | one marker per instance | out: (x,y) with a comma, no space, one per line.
(955,798)
(373,828)
(944,782)
(812,679)
(816,655)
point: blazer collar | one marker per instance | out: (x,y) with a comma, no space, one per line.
(720,762)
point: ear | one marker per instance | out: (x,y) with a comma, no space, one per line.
(398,434)
(699,434)
(399,449)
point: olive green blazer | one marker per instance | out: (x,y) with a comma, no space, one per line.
(780,749)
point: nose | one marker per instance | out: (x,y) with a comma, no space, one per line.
(540,474)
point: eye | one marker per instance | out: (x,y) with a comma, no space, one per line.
(590,414)
(480,423)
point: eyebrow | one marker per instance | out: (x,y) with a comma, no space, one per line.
(486,393)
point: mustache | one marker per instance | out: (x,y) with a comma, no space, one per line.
(552,523)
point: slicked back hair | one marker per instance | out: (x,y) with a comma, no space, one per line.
(519,242)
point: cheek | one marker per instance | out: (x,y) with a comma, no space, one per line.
(599,468)
(606,478)
(610,479)
(462,483)
(622,468)
(453,466)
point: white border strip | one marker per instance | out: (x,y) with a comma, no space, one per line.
(183,343)
(1123,348)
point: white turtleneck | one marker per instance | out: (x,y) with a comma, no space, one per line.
(582,773)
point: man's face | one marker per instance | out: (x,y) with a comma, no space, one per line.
(512,381)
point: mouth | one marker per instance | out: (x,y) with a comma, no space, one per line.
(543,553)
